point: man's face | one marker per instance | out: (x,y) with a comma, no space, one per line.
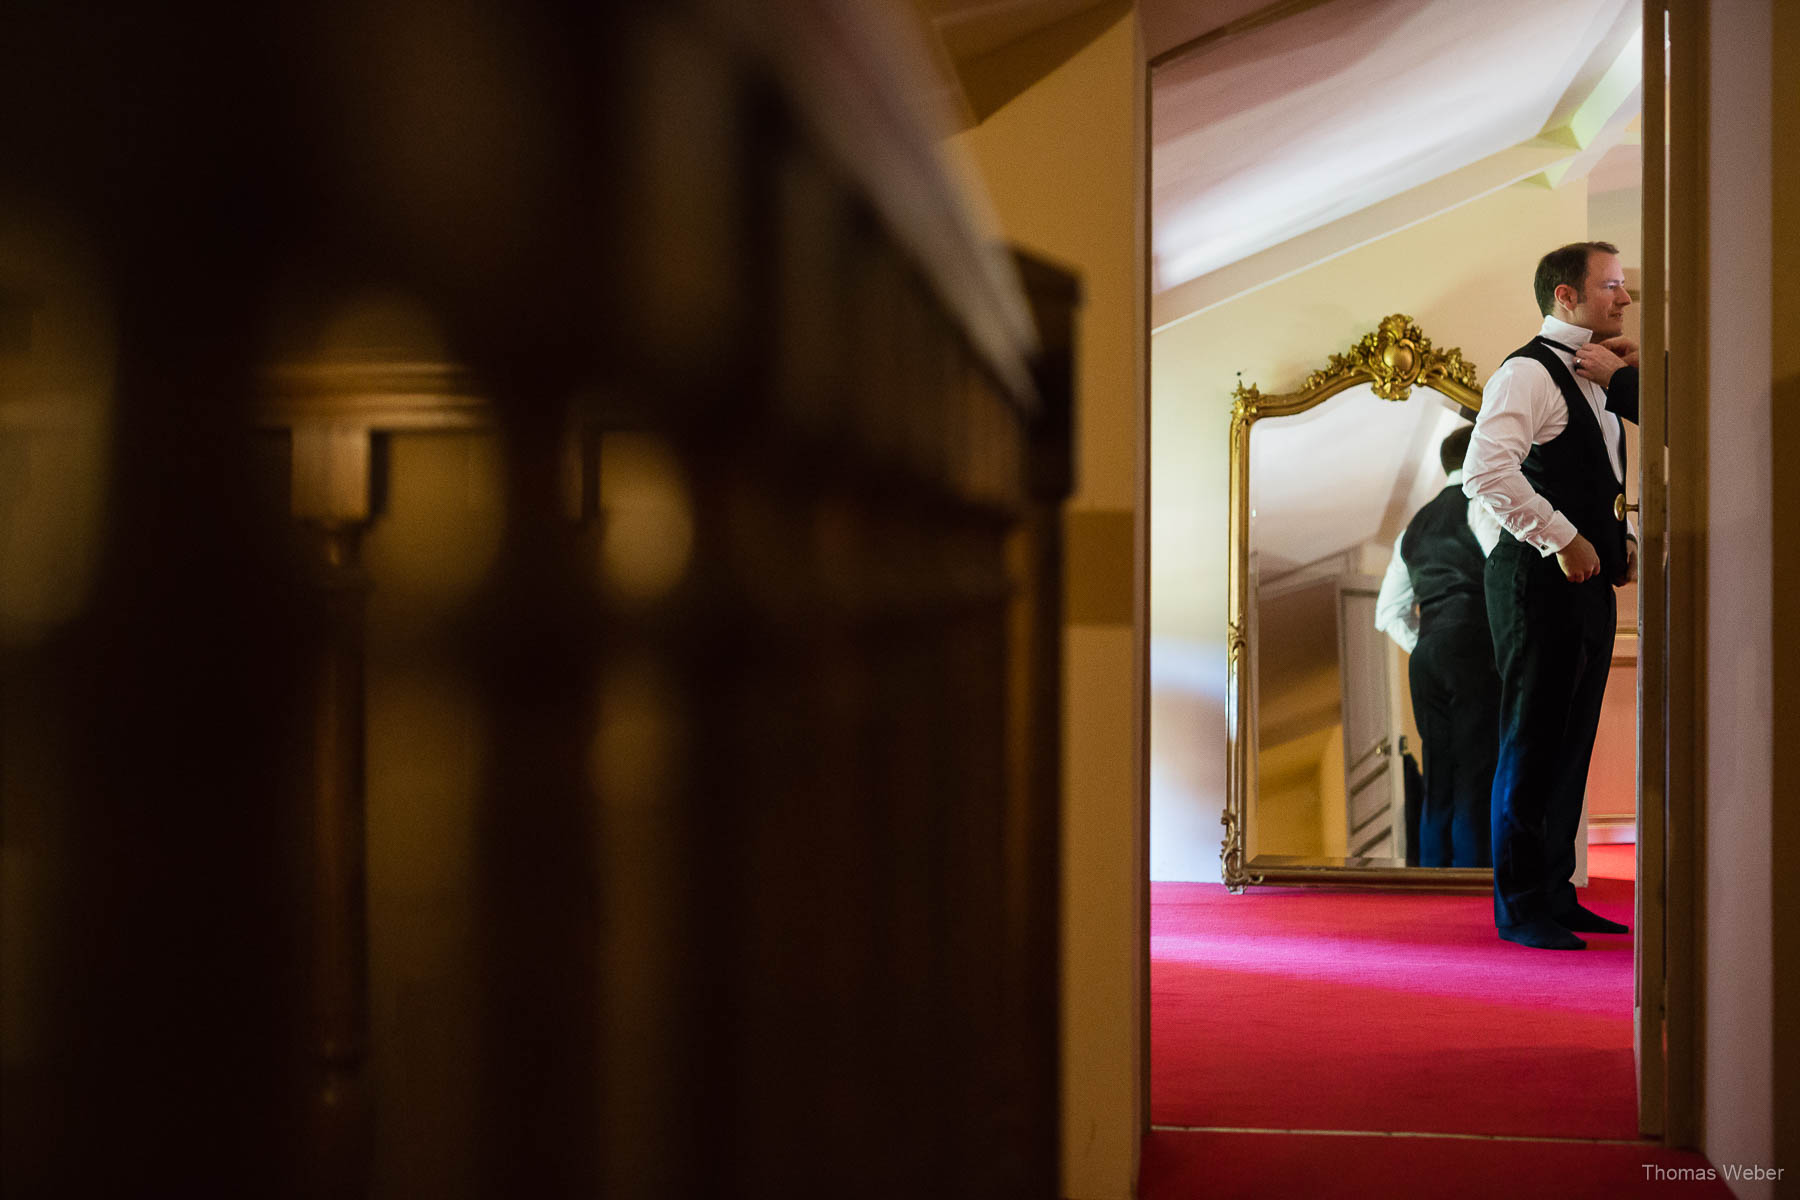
(1604,299)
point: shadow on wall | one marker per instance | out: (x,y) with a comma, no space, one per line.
(1187,774)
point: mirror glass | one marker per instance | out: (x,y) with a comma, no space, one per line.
(1332,728)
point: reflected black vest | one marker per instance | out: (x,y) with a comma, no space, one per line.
(1573,470)
(1445,563)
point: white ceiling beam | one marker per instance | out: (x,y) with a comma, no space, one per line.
(1608,136)
(1440,195)
(1603,118)
(1608,38)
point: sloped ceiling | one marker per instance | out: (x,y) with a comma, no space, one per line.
(1333,108)
(1284,134)
(1352,471)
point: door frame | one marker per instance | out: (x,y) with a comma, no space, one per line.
(1672,670)
(1671,743)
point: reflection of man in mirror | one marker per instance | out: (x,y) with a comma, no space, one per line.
(1434,605)
(1548,461)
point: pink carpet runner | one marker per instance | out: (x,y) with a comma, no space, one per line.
(1299,1009)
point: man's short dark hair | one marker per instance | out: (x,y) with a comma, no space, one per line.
(1565,264)
(1453,448)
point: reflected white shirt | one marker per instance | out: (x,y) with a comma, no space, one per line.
(1396,609)
(1522,407)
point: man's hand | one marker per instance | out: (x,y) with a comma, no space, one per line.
(1625,348)
(1597,362)
(1578,560)
(1630,575)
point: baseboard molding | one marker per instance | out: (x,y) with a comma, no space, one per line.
(1611,831)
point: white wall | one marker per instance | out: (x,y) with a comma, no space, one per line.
(1737,1002)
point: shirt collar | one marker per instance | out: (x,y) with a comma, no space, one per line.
(1567,334)
(1454,479)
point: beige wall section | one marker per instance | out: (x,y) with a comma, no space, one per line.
(1062,165)
(1466,277)
(1101,978)
(1612,776)
(1099,552)
(1617,217)
(1058,165)
(1737,1000)
(1737,996)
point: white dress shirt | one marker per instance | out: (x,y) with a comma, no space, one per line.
(1522,407)
(1396,610)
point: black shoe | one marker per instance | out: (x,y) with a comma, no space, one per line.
(1541,934)
(1583,920)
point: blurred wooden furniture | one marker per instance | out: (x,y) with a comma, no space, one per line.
(765,662)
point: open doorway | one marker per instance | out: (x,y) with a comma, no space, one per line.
(1314,170)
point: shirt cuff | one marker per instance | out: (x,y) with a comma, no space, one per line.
(1555,536)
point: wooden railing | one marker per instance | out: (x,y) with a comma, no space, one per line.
(729,811)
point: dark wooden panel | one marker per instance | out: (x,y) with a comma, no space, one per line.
(758,663)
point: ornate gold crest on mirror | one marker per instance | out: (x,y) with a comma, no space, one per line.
(1318,711)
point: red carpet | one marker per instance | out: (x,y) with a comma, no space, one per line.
(1613,862)
(1304,1009)
(1230,1166)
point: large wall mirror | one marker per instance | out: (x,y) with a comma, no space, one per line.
(1323,480)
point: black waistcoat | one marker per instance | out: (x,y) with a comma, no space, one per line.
(1445,563)
(1573,470)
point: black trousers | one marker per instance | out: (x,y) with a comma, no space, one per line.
(1456,701)
(1553,647)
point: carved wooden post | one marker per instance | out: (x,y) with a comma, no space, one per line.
(331,501)
(1033,842)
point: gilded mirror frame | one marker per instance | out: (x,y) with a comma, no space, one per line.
(1392,360)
